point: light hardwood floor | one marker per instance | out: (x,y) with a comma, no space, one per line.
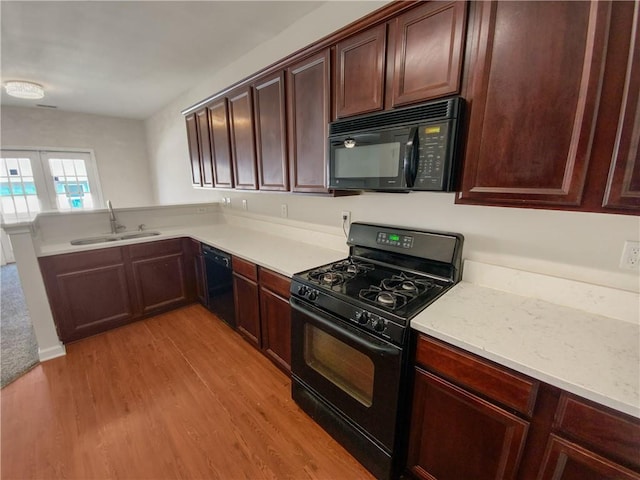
(180,395)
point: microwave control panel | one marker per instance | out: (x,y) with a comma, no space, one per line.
(433,165)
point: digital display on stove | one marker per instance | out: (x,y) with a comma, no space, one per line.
(394,240)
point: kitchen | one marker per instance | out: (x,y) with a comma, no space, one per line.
(561,244)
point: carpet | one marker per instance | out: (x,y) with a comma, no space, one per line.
(18,346)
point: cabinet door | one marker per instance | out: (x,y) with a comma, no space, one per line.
(568,461)
(456,435)
(360,72)
(623,185)
(308,116)
(160,278)
(206,167)
(200,274)
(194,148)
(245,292)
(88,292)
(243,150)
(220,143)
(428,52)
(275,313)
(271,138)
(533,102)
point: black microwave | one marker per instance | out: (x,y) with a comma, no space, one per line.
(412,148)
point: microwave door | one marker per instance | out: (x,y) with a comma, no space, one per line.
(371,161)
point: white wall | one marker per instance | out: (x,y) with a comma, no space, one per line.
(119,146)
(580,246)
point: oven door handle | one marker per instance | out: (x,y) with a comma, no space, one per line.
(371,347)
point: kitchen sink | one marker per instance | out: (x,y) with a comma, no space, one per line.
(113,238)
(127,236)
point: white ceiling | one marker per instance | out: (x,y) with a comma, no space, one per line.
(129,59)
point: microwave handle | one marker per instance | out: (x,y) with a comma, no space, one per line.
(409,161)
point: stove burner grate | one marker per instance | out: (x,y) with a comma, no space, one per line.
(396,291)
(353,267)
(406,284)
(327,277)
(384,298)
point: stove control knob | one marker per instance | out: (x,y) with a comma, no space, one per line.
(312,295)
(302,290)
(378,324)
(362,317)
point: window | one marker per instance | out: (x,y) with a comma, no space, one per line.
(33,181)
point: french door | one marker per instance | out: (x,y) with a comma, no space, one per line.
(33,181)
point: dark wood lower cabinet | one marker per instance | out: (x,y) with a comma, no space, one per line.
(88,292)
(245,292)
(275,315)
(474,419)
(456,434)
(95,291)
(567,461)
(160,282)
(263,314)
(200,273)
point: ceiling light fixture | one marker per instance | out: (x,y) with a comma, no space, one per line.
(20,89)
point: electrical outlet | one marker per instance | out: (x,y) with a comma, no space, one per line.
(346,218)
(244,204)
(284,211)
(630,259)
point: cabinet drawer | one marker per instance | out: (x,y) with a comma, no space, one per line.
(499,384)
(244,268)
(275,282)
(73,262)
(604,430)
(155,249)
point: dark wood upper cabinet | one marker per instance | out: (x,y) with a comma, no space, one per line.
(428,42)
(243,150)
(623,185)
(204,142)
(220,143)
(194,149)
(308,97)
(271,133)
(534,80)
(360,72)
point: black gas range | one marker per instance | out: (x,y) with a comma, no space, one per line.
(350,334)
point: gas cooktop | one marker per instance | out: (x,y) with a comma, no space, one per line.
(368,284)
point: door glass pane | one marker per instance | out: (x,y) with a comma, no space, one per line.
(341,364)
(71,184)
(17,187)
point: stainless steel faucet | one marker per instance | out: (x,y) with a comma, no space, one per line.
(112,219)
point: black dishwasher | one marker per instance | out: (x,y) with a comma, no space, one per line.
(219,284)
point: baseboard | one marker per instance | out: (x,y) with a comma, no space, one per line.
(51,352)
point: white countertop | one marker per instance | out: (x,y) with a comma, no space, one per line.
(590,355)
(277,253)
(578,337)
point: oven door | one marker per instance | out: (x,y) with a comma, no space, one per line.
(349,369)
